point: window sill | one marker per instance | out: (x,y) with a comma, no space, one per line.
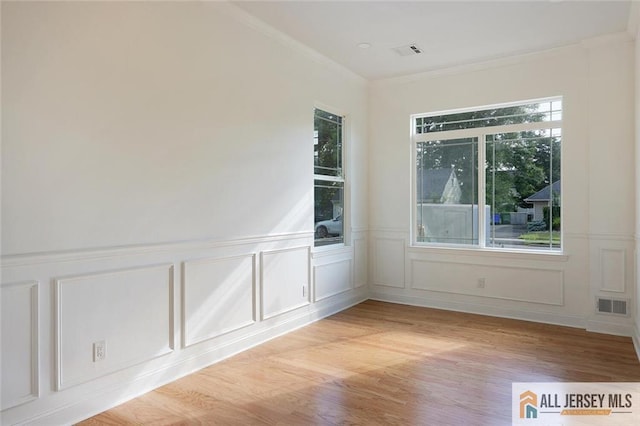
(490,253)
(330,250)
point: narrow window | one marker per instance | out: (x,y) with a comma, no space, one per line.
(328,178)
(490,177)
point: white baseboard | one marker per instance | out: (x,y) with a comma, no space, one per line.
(105,398)
(610,328)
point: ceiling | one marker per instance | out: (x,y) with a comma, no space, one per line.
(449,33)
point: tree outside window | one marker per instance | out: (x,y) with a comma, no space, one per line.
(510,156)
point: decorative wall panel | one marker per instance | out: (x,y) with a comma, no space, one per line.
(19,322)
(218,296)
(612,270)
(389,262)
(514,283)
(332,278)
(97,309)
(285,280)
(360,260)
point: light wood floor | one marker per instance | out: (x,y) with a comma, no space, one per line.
(384,364)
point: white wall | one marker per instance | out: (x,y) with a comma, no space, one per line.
(157,194)
(146,112)
(636,20)
(594,79)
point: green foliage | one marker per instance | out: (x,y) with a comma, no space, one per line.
(541,237)
(555,213)
(518,164)
(483,118)
(328,161)
(328,155)
(325,192)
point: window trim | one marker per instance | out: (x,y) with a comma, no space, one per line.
(468,133)
(481,134)
(344,179)
(485,107)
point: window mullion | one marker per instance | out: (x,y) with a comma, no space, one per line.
(329,178)
(482,231)
(465,133)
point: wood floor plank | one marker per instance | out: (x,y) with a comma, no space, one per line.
(384,364)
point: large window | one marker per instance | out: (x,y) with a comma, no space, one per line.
(328,178)
(490,177)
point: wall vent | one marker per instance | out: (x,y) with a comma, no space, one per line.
(611,306)
(410,49)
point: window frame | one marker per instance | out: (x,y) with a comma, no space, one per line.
(481,134)
(342,178)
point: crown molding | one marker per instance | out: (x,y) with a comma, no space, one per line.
(250,21)
(620,37)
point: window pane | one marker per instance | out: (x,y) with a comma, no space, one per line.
(447,191)
(523,189)
(525,113)
(327,144)
(329,209)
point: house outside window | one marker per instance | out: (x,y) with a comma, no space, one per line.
(328,178)
(489,177)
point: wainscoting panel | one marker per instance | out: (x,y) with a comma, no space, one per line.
(512,283)
(284,280)
(19,316)
(96,309)
(218,296)
(56,306)
(331,279)
(389,262)
(360,260)
(613,270)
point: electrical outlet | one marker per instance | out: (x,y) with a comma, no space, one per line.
(99,351)
(481,282)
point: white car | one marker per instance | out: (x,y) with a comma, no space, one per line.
(333,227)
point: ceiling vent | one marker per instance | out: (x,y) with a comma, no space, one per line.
(408,50)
